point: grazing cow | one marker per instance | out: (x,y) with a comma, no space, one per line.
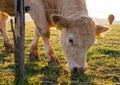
(111,18)
(78,30)
(8,7)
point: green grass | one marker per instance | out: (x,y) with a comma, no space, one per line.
(103,61)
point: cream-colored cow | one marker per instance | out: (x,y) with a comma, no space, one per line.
(78,30)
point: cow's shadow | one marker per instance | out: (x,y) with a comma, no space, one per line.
(51,74)
(3,56)
(48,74)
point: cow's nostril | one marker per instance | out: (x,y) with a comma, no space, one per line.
(75,70)
(80,70)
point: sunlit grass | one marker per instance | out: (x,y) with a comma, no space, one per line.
(103,61)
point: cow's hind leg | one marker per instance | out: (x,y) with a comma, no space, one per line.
(7,43)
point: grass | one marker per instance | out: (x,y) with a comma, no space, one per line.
(103,60)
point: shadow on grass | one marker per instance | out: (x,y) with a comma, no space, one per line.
(81,79)
(39,74)
(104,50)
(46,75)
(3,55)
(51,74)
(111,52)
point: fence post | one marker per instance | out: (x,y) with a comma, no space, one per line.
(19,33)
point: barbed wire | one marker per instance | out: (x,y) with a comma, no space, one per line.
(63,10)
(103,12)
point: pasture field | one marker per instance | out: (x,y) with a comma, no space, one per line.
(103,61)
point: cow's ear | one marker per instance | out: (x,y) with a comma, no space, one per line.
(101,29)
(59,21)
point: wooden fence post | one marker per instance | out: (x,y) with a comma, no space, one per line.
(19,33)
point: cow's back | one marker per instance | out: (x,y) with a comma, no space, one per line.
(7,6)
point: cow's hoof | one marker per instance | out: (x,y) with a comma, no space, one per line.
(11,50)
(54,63)
(9,47)
(33,57)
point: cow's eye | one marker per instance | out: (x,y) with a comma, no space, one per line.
(71,41)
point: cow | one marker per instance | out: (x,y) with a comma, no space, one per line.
(7,42)
(6,7)
(78,30)
(111,18)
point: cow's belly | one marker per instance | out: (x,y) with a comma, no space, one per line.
(7,6)
(11,13)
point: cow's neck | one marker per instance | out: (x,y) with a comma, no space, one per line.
(74,8)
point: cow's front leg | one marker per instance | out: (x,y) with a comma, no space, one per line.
(34,47)
(38,14)
(49,52)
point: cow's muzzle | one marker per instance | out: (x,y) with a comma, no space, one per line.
(80,70)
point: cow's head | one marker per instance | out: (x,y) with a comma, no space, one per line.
(77,36)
